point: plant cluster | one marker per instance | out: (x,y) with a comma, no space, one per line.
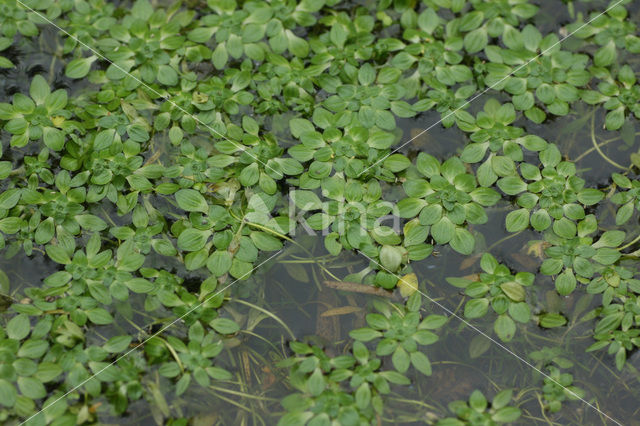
(497,287)
(201,138)
(478,411)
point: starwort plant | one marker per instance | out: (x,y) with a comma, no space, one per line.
(558,387)
(618,93)
(40,116)
(553,195)
(234,125)
(447,200)
(478,410)
(574,256)
(628,197)
(490,131)
(497,287)
(399,333)
(617,328)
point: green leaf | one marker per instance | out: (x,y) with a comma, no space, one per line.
(421,363)
(45,231)
(443,230)
(430,214)
(606,256)
(624,213)
(33,348)
(517,220)
(552,320)
(566,282)
(400,359)
(364,334)
(264,241)
(8,393)
(610,239)
(167,75)
(504,327)
(366,74)
(477,401)
(476,40)
(396,163)
(513,290)
(615,119)
(18,327)
(428,165)
(486,197)
(39,89)
(512,185)
(250,175)
(192,239)
(390,257)
(219,263)
(117,344)
(305,200)
(31,387)
(462,241)
(502,399)
(474,153)
(91,222)
(220,56)
(506,415)
(191,200)
(520,312)
(605,55)
(503,166)
(540,220)
(224,326)
(565,228)
(476,308)
(9,198)
(140,285)
(79,68)
(99,316)
(590,196)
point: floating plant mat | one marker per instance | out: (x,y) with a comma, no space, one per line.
(319,212)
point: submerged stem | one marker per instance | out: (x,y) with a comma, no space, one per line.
(597,148)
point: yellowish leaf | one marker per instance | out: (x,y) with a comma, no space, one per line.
(408,284)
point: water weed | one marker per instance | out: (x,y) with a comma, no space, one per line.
(195,194)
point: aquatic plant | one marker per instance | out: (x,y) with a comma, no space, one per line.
(161,154)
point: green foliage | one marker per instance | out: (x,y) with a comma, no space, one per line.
(346,388)
(446,198)
(203,137)
(553,195)
(497,287)
(558,386)
(628,198)
(618,328)
(618,93)
(40,116)
(478,410)
(574,256)
(400,333)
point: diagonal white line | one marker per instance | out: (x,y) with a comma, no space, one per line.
(473,327)
(490,87)
(165,97)
(152,336)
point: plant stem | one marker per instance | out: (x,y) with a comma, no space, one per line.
(597,148)
(264,311)
(635,240)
